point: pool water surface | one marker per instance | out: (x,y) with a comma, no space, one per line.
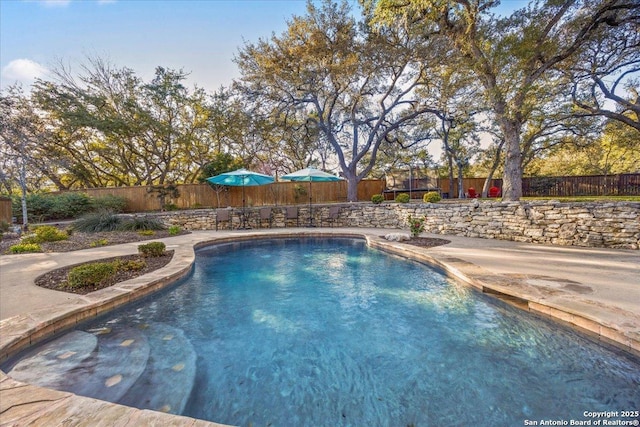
(314,332)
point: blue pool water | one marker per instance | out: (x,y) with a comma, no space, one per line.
(327,332)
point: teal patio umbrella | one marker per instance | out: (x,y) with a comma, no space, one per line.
(310,175)
(241,178)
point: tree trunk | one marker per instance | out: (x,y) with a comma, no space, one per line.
(352,185)
(492,171)
(512,178)
(460,180)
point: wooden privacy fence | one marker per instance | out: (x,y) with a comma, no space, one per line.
(143,199)
(555,186)
(5,210)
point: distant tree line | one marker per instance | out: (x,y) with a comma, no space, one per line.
(554,87)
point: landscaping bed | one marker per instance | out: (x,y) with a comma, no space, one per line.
(426,242)
(78,240)
(57,279)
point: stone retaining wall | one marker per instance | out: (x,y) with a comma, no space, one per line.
(610,225)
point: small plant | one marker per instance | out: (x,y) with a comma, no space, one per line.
(141,223)
(431,197)
(22,248)
(146,232)
(174,230)
(153,249)
(90,274)
(416,225)
(131,265)
(402,198)
(377,199)
(99,242)
(48,233)
(97,221)
(171,207)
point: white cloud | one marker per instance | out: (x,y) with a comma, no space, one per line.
(24,71)
(54,3)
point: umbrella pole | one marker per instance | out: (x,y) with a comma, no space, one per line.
(310,208)
(244,217)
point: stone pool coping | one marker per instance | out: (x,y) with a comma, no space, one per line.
(24,403)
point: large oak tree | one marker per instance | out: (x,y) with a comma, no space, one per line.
(357,87)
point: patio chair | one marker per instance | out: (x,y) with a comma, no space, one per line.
(292,213)
(334,212)
(222,215)
(265,215)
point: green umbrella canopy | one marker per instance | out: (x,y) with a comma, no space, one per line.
(241,177)
(311,175)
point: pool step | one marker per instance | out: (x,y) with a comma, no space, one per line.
(166,383)
(149,366)
(49,365)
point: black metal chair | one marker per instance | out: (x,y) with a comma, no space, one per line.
(334,213)
(265,215)
(223,215)
(292,213)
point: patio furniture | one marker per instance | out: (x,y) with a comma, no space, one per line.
(222,215)
(332,217)
(264,215)
(292,213)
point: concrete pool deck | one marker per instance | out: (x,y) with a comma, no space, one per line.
(593,289)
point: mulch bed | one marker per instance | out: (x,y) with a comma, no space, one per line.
(57,279)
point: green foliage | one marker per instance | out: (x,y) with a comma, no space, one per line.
(47,207)
(221,163)
(109,202)
(24,248)
(153,249)
(146,232)
(402,198)
(97,221)
(69,205)
(4,226)
(377,199)
(431,197)
(90,274)
(131,265)
(99,242)
(299,191)
(174,230)
(416,225)
(48,233)
(141,223)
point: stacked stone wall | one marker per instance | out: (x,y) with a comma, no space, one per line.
(610,225)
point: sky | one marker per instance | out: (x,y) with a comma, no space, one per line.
(200,37)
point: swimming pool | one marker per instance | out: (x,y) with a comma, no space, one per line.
(329,332)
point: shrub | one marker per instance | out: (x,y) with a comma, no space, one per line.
(132,265)
(174,230)
(146,232)
(97,221)
(416,225)
(69,205)
(90,274)
(99,242)
(377,199)
(4,226)
(48,233)
(402,198)
(109,202)
(141,223)
(431,197)
(24,248)
(153,249)
(38,206)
